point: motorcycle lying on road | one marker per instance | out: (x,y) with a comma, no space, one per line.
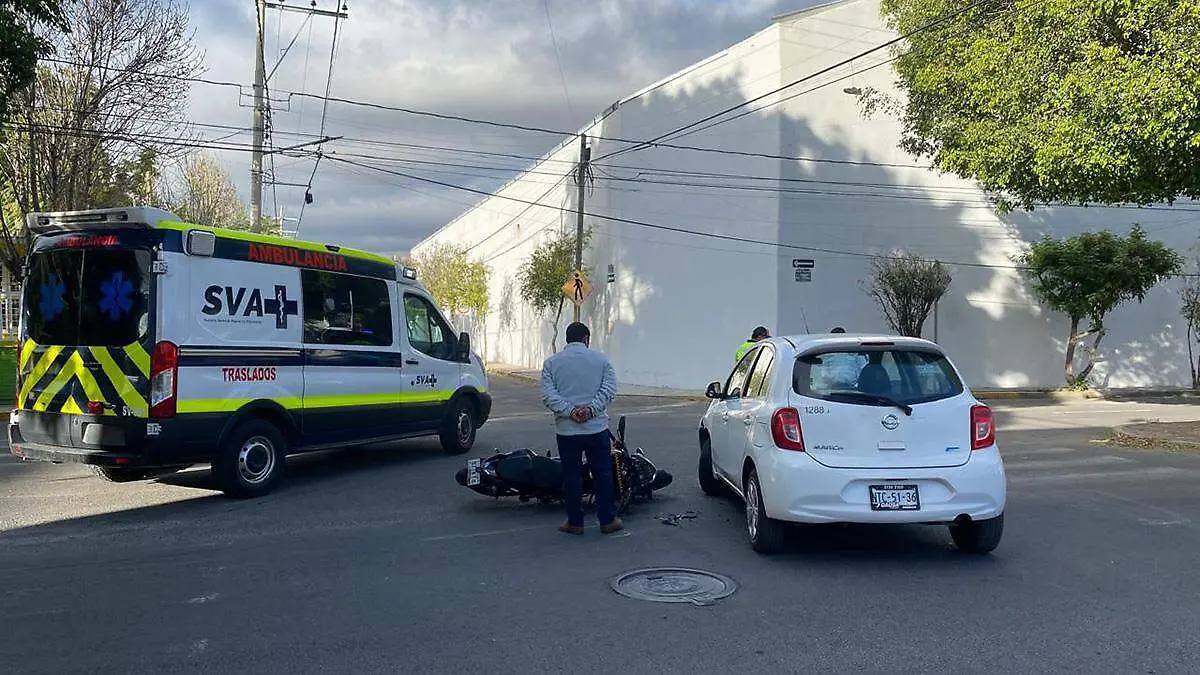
(527,475)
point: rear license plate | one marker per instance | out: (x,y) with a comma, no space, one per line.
(472,472)
(892,497)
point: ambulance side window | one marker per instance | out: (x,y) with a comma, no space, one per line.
(427,332)
(340,309)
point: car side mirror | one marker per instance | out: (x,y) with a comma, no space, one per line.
(464,347)
(714,391)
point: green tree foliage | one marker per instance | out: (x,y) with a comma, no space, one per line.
(21,44)
(542,276)
(93,128)
(1059,101)
(458,284)
(907,287)
(1089,275)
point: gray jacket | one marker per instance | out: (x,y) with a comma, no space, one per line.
(578,377)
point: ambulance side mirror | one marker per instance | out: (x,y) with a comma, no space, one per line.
(464,347)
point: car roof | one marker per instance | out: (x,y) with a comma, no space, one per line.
(804,342)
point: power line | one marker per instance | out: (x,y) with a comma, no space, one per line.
(535,129)
(932,190)
(927,26)
(558,59)
(667,228)
(790,97)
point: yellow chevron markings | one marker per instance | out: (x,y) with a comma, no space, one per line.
(120,382)
(140,358)
(39,370)
(26,350)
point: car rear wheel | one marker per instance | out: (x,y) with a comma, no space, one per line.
(251,460)
(978,536)
(708,480)
(458,429)
(766,534)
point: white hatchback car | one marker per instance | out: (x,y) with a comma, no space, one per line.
(846,428)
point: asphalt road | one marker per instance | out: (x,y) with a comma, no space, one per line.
(375,560)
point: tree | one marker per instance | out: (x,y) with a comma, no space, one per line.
(1089,275)
(21,44)
(1059,101)
(1189,301)
(907,287)
(206,195)
(455,282)
(96,123)
(542,276)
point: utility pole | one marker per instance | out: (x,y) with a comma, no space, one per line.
(256,161)
(585,154)
(260,83)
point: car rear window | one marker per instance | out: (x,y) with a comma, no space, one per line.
(88,297)
(903,375)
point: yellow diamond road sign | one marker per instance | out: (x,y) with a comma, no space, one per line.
(577,288)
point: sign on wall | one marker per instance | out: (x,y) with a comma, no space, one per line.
(803,268)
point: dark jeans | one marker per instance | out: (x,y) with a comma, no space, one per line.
(599,454)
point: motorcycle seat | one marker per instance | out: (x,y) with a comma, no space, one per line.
(537,472)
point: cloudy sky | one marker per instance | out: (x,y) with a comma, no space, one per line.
(489,59)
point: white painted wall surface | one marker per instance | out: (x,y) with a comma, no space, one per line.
(682,303)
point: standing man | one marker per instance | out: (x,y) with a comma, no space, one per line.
(761,333)
(578,384)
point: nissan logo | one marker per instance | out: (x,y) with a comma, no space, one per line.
(890,422)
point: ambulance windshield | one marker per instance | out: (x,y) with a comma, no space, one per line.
(88,297)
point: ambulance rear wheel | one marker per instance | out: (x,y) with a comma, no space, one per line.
(458,429)
(251,460)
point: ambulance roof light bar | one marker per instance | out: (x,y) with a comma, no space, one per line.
(60,221)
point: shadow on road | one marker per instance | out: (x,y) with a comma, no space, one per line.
(303,470)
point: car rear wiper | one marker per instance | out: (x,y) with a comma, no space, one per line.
(874,398)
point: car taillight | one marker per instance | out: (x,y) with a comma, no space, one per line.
(785,429)
(983,427)
(164,366)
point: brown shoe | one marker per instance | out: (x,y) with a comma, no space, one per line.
(615,526)
(570,529)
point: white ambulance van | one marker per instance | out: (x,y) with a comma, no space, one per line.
(150,344)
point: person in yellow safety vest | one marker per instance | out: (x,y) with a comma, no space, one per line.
(759,334)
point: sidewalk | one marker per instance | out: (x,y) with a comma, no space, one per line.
(982,394)
(1174,436)
(523,373)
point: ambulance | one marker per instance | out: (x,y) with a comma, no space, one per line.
(148,345)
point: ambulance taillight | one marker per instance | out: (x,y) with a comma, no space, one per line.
(164,368)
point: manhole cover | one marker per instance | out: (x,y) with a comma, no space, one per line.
(674,584)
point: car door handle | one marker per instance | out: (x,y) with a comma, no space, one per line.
(412,362)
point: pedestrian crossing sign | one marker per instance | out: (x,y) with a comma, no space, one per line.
(577,287)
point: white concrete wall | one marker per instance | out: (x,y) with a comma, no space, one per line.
(681,303)
(993,328)
(676,299)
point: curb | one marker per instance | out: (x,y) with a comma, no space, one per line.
(982,394)
(1037,394)
(1124,434)
(522,375)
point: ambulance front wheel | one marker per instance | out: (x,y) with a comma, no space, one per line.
(251,460)
(458,429)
